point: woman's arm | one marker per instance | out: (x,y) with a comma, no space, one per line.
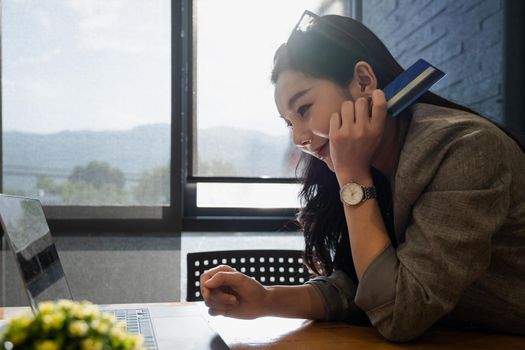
(301,301)
(230,293)
(367,231)
(455,209)
(355,135)
(448,240)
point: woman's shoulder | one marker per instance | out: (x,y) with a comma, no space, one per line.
(440,120)
(435,127)
(447,141)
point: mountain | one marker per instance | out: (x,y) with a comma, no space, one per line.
(245,152)
(252,153)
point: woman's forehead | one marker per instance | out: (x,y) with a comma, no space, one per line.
(288,84)
(291,78)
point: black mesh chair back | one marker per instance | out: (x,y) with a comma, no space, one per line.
(269,267)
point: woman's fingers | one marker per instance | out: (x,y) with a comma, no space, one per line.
(231,293)
(362,111)
(218,298)
(213,271)
(335,122)
(220,288)
(356,133)
(379,110)
(220,311)
(224,278)
(348,116)
(227,291)
(207,275)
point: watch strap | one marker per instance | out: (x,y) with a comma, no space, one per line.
(369,192)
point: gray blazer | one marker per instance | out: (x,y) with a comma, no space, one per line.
(459,216)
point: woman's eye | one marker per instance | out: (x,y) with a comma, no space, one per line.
(303,109)
(288,123)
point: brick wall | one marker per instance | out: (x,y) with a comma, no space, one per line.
(464,38)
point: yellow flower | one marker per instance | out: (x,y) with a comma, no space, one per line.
(91,311)
(79,320)
(58,320)
(101,327)
(108,318)
(65,304)
(18,337)
(76,311)
(118,334)
(46,345)
(47,320)
(90,344)
(129,343)
(84,310)
(23,321)
(137,341)
(95,323)
(134,342)
(18,328)
(46,307)
(53,321)
(78,328)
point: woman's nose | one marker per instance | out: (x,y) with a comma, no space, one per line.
(305,143)
(302,139)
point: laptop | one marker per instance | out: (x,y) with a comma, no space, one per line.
(27,233)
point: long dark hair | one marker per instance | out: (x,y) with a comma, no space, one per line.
(324,53)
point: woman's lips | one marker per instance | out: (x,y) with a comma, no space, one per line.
(321,152)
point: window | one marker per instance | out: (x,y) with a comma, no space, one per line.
(125,115)
(86,101)
(237,134)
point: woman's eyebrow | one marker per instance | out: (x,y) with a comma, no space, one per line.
(296,96)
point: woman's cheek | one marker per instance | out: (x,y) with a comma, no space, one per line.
(320,126)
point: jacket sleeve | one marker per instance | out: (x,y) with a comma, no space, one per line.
(447,242)
(338,292)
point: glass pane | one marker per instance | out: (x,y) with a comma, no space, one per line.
(86,101)
(247,195)
(238,129)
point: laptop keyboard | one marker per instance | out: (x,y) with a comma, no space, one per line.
(138,321)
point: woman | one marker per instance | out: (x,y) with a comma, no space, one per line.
(408,221)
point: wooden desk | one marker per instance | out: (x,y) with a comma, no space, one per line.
(281,333)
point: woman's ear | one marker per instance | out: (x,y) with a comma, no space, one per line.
(364,80)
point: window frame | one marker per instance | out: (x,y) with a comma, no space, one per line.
(236,219)
(181,214)
(118,219)
(513,71)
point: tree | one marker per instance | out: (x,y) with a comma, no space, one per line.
(98,174)
(216,168)
(14,192)
(97,183)
(47,185)
(153,188)
(82,193)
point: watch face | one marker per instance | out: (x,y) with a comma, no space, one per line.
(352,194)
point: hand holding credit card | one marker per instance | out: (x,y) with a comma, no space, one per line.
(410,85)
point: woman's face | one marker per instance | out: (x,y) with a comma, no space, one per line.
(306,104)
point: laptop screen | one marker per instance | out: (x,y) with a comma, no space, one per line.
(28,235)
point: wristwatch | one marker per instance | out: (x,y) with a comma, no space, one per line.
(353,193)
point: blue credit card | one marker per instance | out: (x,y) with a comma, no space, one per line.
(410,85)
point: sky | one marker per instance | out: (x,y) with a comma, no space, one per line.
(105,64)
